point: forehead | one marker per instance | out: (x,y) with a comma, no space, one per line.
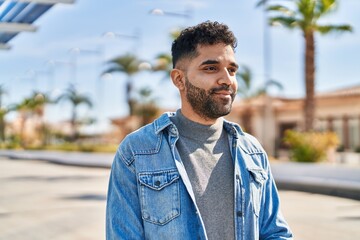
(219,52)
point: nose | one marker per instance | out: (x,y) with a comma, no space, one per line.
(226,78)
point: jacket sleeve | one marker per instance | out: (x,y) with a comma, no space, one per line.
(272,222)
(123,214)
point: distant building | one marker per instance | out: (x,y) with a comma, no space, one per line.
(267,118)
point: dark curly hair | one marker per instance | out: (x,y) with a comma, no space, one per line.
(206,33)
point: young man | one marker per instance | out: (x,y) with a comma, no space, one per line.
(192,174)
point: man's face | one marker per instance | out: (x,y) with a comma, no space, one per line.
(210,82)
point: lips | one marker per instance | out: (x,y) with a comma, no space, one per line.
(224,92)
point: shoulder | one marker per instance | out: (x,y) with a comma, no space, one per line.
(145,140)
(246,141)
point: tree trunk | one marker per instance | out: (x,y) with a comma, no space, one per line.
(309,103)
(129,100)
(73,124)
(2,129)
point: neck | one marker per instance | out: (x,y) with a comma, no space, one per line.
(193,116)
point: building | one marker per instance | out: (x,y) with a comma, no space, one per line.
(267,118)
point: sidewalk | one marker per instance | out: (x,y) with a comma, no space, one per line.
(330,179)
(58,202)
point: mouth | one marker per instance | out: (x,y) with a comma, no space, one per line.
(224,93)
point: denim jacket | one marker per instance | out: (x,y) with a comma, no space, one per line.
(150,194)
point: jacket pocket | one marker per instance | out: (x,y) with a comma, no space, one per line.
(159,196)
(257,180)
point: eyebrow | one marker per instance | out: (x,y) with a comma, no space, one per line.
(217,62)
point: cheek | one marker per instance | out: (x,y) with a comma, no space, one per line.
(235,84)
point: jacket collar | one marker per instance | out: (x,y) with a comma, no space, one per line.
(164,121)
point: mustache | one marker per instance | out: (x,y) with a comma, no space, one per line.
(222,88)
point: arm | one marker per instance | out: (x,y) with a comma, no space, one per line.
(272,223)
(123,214)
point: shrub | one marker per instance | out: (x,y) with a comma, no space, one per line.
(310,146)
(357,149)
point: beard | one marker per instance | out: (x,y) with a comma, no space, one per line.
(206,103)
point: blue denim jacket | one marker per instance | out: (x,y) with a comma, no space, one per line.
(150,194)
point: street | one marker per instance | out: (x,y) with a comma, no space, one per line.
(40,200)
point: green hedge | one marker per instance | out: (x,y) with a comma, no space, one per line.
(310,146)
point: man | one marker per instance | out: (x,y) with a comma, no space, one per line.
(192,174)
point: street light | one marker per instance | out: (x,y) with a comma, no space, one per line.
(267,136)
(75,51)
(51,63)
(160,12)
(136,37)
(35,74)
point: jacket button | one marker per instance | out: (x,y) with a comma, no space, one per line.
(157,183)
(239,213)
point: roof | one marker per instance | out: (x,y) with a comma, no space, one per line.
(343,92)
(17,16)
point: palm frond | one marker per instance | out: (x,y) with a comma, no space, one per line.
(289,22)
(324,7)
(325,29)
(281,9)
(273,83)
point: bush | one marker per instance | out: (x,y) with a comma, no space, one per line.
(310,146)
(357,149)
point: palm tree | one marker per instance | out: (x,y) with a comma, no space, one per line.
(305,16)
(245,90)
(163,61)
(128,64)
(25,109)
(38,102)
(245,87)
(146,108)
(3,112)
(76,99)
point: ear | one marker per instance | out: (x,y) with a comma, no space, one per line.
(178,78)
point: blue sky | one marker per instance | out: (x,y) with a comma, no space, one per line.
(81,25)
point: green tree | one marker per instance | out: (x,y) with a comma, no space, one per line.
(128,64)
(29,107)
(3,112)
(37,106)
(146,107)
(246,91)
(76,99)
(24,108)
(163,61)
(305,15)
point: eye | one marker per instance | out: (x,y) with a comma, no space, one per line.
(210,68)
(232,70)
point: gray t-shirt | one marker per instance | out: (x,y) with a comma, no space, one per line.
(205,152)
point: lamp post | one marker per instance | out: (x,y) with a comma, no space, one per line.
(75,52)
(187,14)
(136,37)
(160,12)
(52,63)
(36,73)
(267,135)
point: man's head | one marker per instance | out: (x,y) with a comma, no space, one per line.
(206,33)
(205,71)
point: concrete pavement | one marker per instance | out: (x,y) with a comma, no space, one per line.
(331,179)
(50,201)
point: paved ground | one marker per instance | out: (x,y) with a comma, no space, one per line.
(39,200)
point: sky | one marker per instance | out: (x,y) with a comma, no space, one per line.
(44,60)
